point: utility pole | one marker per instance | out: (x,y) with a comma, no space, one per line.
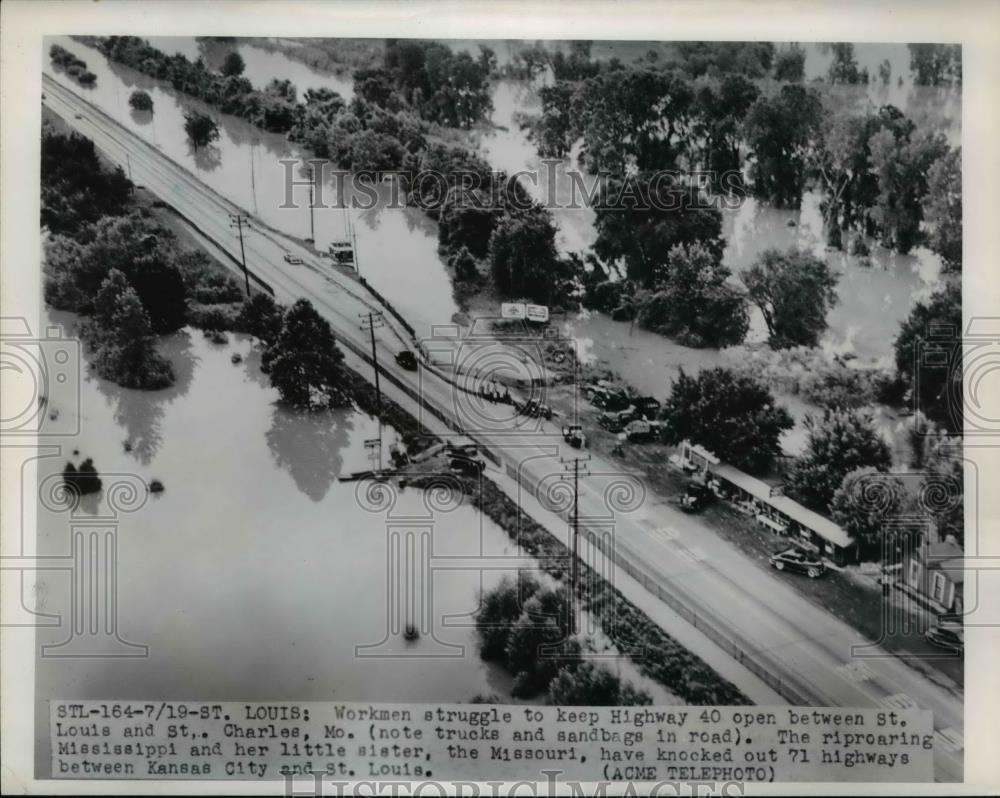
(576,466)
(312,200)
(238,220)
(370,321)
(253,179)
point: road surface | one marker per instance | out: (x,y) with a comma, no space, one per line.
(810,656)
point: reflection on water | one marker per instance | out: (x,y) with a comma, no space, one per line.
(244,165)
(397,248)
(875,292)
(309,446)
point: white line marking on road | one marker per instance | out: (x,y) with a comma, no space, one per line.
(949,739)
(899,701)
(856,672)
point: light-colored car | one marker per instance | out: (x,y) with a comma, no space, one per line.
(293,260)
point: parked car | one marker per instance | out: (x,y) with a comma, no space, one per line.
(794,559)
(293,260)
(695,497)
(573,435)
(946,637)
(535,409)
(646,407)
(407,360)
(616,421)
(468,466)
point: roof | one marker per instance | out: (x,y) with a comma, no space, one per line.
(823,527)
(948,557)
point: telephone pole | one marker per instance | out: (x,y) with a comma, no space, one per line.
(575,466)
(312,201)
(370,321)
(237,220)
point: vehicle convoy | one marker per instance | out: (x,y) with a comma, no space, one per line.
(574,436)
(795,559)
(535,409)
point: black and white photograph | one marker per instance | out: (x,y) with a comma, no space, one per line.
(540,408)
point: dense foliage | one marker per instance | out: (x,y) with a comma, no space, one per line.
(71,65)
(304,363)
(200,128)
(794,291)
(838,443)
(928,354)
(140,100)
(692,300)
(864,506)
(113,262)
(525,628)
(76,191)
(732,415)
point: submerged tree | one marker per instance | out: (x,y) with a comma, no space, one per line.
(794,291)
(200,128)
(140,100)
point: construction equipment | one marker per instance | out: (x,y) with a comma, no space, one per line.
(573,435)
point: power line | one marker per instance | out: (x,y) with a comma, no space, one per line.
(576,466)
(370,321)
(238,221)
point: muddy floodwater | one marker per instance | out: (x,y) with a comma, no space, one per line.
(397,247)
(256,574)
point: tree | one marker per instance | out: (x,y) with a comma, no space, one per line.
(794,291)
(732,415)
(789,64)
(693,301)
(901,165)
(589,685)
(640,219)
(523,258)
(837,443)
(942,206)
(929,356)
(140,100)
(943,488)
(201,129)
(638,116)
(936,64)
(122,338)
(83,480)
(233,65)
(305,364)
(865,502)
(721,110)
(844,67)
(779,132)
(498,609)
(134,245)
(260,317)
(76,189)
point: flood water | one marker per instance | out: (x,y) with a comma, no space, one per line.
(256,573)
(396,247)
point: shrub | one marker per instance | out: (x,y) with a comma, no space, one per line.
(140,100)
